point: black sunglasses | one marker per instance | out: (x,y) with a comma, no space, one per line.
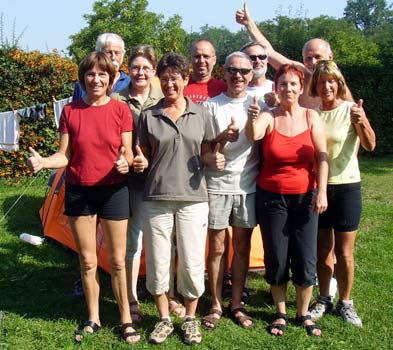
(234,70)
(261,57)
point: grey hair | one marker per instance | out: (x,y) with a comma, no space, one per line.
(105,38)
(251,44)
(236,54)
(326,43)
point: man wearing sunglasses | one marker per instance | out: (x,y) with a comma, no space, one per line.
(231,190)
(259,86)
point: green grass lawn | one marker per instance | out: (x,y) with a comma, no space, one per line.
(38,311)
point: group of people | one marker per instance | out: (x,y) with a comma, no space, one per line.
(178,157)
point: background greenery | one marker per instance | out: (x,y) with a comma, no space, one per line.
(362,41)
(38,311)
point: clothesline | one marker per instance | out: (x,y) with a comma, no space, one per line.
(9,121)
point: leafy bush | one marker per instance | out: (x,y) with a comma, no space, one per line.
(28,79)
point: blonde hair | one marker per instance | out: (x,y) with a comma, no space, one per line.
(323,68)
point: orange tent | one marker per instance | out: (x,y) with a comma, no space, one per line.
(56,226)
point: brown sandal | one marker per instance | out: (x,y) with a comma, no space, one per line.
(177,309)
(136,315)
(210,319)
(240,319)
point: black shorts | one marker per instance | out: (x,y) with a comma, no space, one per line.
(107,202)
(344,208)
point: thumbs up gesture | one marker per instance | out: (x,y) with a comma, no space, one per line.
(243,15)
(254,109)
(271,98)
(219,159)
(357,113)
(35,161)
(232,131)
(140,162)
(121,163)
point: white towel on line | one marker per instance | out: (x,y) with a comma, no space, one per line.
(9,131)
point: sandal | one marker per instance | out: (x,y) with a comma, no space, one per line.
(309,328)
(274,325)
(82,331)
(210,319)
(125,335)
(136,315)
(239,316)
(176,308)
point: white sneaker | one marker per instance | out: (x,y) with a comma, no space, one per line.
(319,308)
(347,311)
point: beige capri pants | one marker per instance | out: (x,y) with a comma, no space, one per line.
(185,222)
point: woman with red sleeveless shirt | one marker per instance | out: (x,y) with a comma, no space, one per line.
(291,192)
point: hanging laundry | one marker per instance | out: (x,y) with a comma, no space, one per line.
(58,107)
(9,131)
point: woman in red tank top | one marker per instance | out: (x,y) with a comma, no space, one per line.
(288,201)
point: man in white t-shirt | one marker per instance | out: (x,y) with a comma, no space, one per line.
(232,189)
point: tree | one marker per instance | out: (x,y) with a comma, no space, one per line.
(368,15)
(133,23)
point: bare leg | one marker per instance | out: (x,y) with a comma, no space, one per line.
(279,294)
(345,273)
(84,230)
(303,297)
(241,242)
(115,235)
(325,262)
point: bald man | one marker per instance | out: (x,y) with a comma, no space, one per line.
(313,50)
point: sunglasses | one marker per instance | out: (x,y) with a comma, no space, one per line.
(234,70)
(261,57)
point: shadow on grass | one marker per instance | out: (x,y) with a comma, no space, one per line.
(38,281)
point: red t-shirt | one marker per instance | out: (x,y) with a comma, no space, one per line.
(95,140)
(288,166)
(200,92)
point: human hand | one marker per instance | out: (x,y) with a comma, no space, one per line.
(243,16)
(219,158)
(140,162)
(232,131)
(320,202)
(357,113)
(121,163)
(254,109)
(271,98)
(35,161)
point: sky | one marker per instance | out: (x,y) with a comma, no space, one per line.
(45,25)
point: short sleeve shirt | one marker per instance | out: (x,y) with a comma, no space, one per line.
(176,172)
(95,140)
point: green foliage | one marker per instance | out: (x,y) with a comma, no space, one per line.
(133,23)
(368,15)
(28,79)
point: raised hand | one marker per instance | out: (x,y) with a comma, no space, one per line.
(243,15)
(35,161)
(140,162)
(121,163)
(219,159)
(254,109)
(357,113)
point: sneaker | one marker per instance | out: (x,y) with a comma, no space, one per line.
(191,331)
(347,311)
(162,330)
(319,308)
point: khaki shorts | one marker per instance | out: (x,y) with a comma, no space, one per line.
(231,210)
